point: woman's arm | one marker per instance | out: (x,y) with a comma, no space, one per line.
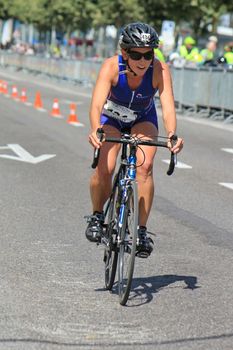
(164,84)
(167,98)
(106,78)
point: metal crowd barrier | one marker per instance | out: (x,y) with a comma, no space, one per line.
(203,91)
(79,71)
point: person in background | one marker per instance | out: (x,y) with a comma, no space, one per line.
(176,60)
(228,54)
(208,54)
(188,50)
(158,52)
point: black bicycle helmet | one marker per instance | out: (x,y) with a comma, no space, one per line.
(138,35)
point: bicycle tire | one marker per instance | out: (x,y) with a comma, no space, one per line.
(127,249)
(110,252)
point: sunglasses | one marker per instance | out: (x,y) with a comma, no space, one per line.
(136,56)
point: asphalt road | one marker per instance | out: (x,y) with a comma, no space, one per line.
(52,292)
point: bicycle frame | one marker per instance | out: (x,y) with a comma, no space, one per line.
(128,169)
(121,212)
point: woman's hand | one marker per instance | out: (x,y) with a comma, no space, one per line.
(94,140)
(175,146)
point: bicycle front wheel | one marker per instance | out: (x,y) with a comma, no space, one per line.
(127,249)
(110,252)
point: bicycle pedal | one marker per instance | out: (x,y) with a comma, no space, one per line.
(142,255)
(104,240)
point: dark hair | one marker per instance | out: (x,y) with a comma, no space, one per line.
(138,35)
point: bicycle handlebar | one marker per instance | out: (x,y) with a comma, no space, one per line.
(130,140)
(100,135)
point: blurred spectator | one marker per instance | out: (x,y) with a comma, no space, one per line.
(176,60)
(188,50)
(159,51)
(228,54)
(72,48)
(29,50)
(55,50)
(213,38)
(208,54)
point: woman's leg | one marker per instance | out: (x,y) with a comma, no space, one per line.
(101,185)
(145,172)
(101,180)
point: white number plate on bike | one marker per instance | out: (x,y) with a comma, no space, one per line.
(122,113)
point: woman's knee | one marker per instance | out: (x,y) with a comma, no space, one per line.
(146,169)
(104,172)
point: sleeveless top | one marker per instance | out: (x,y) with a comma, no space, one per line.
(140,100)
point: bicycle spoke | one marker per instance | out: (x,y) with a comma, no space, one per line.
(110,253)
(128,245)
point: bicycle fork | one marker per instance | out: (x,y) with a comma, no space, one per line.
(122,236)
(126,184)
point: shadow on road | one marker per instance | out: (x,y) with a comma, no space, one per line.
(143,289)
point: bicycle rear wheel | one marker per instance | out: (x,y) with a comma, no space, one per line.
(110,252)
(127,249)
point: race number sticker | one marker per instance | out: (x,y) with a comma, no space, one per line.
(119,112)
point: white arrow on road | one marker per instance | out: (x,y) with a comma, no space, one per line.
(178,164)
(227,185)
(228,150)
(23,155)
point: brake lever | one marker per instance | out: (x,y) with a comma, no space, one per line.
(100,135)
(173,160)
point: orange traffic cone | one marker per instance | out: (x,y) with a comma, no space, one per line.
(38,101)
(23,97)
(4,87)
(73,116)
(14,93)
(55,110)
(1,86)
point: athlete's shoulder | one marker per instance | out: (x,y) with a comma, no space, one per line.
(160,72)
(159,66)
(109,70)
(111,62)
(110,66)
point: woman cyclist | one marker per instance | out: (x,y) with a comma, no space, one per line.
(128,82)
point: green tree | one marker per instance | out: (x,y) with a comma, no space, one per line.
(64,15)
(208,12)
(198,13)
(83,14)
(69,15)
(4,9)
(117,12)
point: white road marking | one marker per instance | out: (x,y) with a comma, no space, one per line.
(57,116)
(212,123)
(227,185)
(24,156)
(76,124)
(228,150)
(41,109)
(179,164)
(69,102)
